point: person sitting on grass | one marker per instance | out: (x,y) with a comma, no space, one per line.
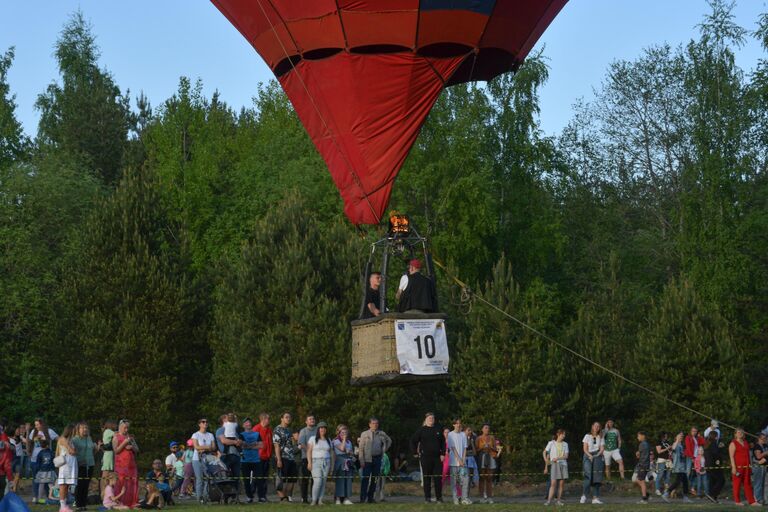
(109,499)
(153,498)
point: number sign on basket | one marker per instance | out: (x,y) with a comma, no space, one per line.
(422,347)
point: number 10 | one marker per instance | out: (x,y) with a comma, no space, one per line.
(429,345)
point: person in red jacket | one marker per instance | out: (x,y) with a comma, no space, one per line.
(741,471)
(691,448)
(265,455)
(6,457)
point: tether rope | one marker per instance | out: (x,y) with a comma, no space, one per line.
(466,290)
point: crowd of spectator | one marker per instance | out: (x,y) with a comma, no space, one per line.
(685,465)
(251,454)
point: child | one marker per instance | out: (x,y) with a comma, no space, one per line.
(701,471)
(46,472)
(153,498)
(189,473)
(231,427)
(109,499)
(178,473)
(54,497)
(557,454)
(643,465)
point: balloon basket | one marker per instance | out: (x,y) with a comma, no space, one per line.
(374,352)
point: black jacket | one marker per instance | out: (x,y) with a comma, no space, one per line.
(428,441)
(419,294)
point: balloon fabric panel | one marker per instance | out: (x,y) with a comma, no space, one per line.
(363,74)
(374,105)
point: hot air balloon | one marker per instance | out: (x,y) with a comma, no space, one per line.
(362,76)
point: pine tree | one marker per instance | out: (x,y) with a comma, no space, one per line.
(86,116)
(506,375)
(281,335)
(129,342)
(686,352)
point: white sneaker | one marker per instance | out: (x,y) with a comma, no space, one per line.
(338,501)
(658,492)
(466,501)
(455,501)
(596,501)
(583,500)
(347,501)
(489,501)
(483,500)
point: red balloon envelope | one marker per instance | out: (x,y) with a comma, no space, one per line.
(363,74)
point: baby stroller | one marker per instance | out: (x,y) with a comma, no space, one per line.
(221,488)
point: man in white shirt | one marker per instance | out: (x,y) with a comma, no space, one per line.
(171,459)
(416,292)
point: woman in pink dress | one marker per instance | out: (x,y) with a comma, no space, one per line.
(125,449)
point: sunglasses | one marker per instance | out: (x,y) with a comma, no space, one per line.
(203,421)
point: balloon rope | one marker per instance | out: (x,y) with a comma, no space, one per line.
(355,177)
(657,394)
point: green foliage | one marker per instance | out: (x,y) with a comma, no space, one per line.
(499,366)
(688,348)
(126,319)
(12,140)
(281,323)
(85,117)
(189,259)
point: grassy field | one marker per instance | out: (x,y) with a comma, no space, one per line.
(422,507)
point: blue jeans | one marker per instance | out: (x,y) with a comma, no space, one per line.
(371,473)
(343,478)
(690,472)
(702,484)
(758,483)
(201,479)
(662,476)
(320,470)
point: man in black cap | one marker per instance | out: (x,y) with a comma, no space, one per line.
(416,292)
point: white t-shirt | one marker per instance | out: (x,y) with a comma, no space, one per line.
(560,452)
(457,446)
(403,282)
(594,443)
(230,429)
(18,446)
(171,460)
(204,439)
(36,438)
(322,450)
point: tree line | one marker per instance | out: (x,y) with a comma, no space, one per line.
(166,262)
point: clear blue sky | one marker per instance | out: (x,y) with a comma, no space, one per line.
(149,44)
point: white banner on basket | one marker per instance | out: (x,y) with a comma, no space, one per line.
(422,347)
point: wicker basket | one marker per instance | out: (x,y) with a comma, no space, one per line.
(374,352)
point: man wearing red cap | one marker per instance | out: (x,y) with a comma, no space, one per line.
(416,292)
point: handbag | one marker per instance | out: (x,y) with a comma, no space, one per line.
(59,460)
